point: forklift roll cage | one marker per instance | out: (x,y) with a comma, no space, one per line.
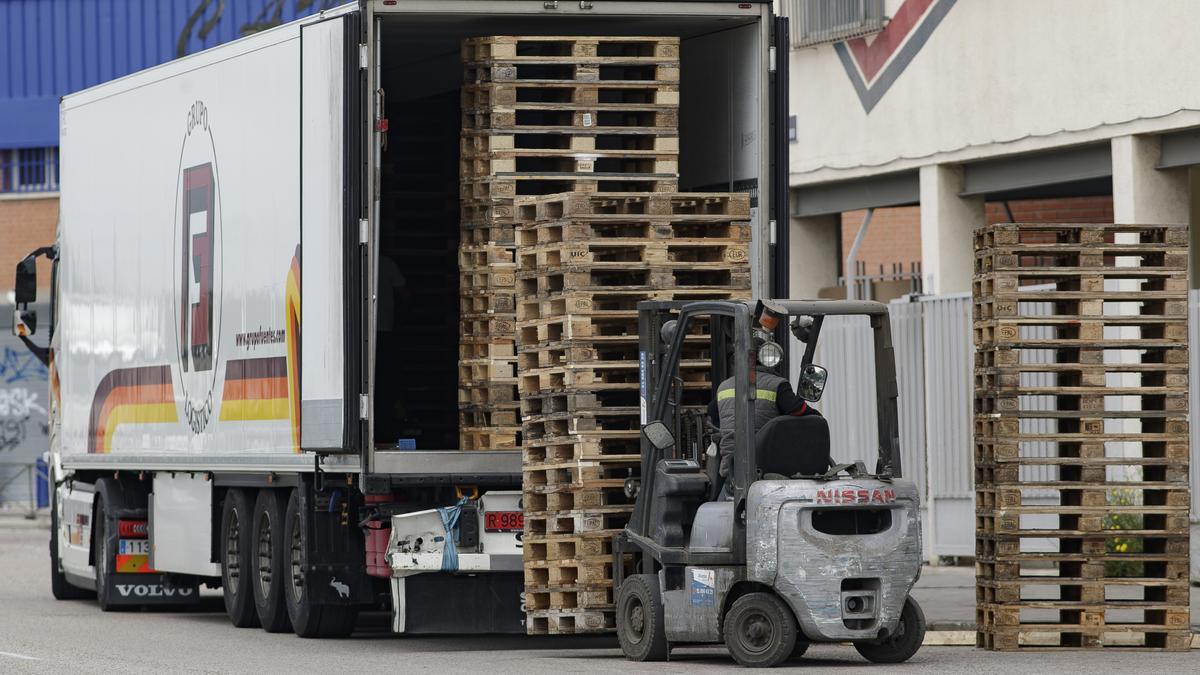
(659,373)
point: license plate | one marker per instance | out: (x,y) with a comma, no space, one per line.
(134,547)
(503,521)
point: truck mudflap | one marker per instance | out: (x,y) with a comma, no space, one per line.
(459,568)
(151,589)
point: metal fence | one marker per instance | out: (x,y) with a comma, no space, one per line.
(934,371)
(29,170)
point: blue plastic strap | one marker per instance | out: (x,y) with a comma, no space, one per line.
(450,516)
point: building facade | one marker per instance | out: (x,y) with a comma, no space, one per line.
(963,111)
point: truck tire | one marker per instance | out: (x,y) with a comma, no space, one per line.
(270,554)
(59,586)
(237,559)
(104,539)
(640,619)
(901,645)
(760,630)
(309,620)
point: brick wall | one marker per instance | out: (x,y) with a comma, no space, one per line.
(894,235)
(25,224)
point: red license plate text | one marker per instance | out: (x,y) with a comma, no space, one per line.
(503,521)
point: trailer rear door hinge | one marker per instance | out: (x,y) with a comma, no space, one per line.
(772,57)
(364,57)
(363,227)
(364,406)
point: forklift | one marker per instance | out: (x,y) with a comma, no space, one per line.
(797,549)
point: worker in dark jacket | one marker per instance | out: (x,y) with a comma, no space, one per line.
(773,397)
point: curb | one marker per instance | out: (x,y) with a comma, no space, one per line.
(966,638)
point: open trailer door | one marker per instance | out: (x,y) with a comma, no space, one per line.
(780,146)
(328,272)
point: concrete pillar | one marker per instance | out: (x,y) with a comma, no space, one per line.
(1194,227)
(948,224)
(815,244)
(1142,194)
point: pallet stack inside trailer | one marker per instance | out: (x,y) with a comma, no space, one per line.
(542,115)
(1081,436)
(584,261)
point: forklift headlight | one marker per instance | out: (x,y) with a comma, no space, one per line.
(770,354)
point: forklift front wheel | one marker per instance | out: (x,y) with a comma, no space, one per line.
(760,630)
(640,619)
(901,645)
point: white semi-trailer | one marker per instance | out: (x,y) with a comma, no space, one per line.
(252,327)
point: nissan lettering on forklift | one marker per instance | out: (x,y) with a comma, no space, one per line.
(788,548)
(251,335)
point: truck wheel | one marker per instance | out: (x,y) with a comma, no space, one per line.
(59,586)
(760,630)
(640,619)
(237,559)
(270,554)
(901,645)
(104,540)
(309,620)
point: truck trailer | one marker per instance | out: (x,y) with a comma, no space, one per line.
(230,406)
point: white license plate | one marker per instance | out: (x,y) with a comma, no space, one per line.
(134,547)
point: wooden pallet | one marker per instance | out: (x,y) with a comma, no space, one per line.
(561,500)
(489,438)
(547,48)
(1071,317)
(589,596)
(583,70)
(580,165)
(1015,236)
(570,141)
(594,208)
(595,94)
(570,621)
(512,186)
(495,415)
(590,519)
(519,119)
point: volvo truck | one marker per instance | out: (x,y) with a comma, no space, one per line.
(252,329)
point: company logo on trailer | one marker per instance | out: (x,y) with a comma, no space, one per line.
(197,256)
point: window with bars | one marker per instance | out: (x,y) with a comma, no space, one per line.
(29,170)
(814,22)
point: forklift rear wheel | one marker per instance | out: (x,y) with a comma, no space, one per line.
(640,619)
(760,630)
(902,644)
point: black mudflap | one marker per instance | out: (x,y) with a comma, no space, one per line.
(460,603)
(152,589)
(335,560)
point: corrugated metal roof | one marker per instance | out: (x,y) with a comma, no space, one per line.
(53,47)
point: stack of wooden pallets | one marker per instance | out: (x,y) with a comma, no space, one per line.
(1081,437)
(584,261)
(542,115)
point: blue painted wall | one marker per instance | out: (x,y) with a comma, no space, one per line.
(53,47)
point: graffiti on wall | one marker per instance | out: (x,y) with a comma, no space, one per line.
(22,412)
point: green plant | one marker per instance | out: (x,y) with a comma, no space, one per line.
(1122,545)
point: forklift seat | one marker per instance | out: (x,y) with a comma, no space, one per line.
(790,445)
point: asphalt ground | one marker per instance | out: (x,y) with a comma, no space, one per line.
(41,635)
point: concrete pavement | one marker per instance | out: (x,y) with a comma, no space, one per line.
(39,634)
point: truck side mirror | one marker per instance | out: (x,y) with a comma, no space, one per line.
(25,288)
(24,322)
(659,436)
(811,385)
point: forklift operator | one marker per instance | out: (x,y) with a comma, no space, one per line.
(773,397)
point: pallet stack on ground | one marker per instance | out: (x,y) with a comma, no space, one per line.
(1081,436)
(584,261)
(542,115)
